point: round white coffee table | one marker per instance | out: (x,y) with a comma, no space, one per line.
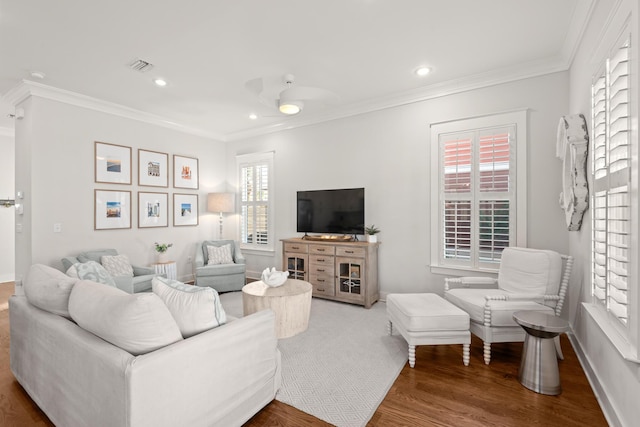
(539,363)
(290,302)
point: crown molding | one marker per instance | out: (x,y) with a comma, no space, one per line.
(29,88)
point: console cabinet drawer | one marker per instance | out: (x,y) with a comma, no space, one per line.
(327,269)
(350,252)
(296,247)
(321,259)
(323,284)
(321,249)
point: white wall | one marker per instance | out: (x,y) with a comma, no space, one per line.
(616,380)
(55,154)
(7,215)
(387,152)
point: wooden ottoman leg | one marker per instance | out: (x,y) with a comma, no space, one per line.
(465,354)
(412,355)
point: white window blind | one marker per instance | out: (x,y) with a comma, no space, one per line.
(255,172)
(476,176)
(611,163)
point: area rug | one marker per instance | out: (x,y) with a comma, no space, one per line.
(341,368)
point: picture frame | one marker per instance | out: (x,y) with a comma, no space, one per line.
(112,163)
(112,209)
(185,209)
(185,172)
(153,168)
(153,210)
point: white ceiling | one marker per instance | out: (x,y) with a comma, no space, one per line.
(363,50)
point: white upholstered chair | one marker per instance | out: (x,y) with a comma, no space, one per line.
(528,279)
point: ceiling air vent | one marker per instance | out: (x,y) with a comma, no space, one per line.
(140,65)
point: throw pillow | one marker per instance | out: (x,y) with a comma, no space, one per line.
(92,270)
(117,265)
(195,309)
(219,255)
(137,323)
(49,289)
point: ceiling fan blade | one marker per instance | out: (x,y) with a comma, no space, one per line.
(308,93)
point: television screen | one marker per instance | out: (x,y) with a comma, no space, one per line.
(331,211)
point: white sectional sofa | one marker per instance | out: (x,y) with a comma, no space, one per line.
(219,377)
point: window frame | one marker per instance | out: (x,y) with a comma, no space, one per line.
(517,118)
(253,160)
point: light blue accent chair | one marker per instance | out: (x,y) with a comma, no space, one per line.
(142,276)
(221,277)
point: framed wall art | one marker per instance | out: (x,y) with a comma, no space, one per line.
(112,209)
(112,163)
(185,209)
(185,172)
(153,210)
(153,168)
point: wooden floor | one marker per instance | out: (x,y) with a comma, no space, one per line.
(439,391)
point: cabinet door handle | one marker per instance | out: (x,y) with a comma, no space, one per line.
(320,289)
(348,252)
(320,280)
(320,259)
(320,249)
(320,270)
(295,247)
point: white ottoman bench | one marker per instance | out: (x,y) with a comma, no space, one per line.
(428,319)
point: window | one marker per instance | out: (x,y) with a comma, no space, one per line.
(611,201)
(256,194)
(478,187)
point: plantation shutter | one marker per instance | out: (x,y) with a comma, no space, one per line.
(255,203)
(477,195)
(612,173)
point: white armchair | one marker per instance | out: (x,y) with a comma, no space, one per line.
(528,279)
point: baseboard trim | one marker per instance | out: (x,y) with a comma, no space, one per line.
(605,404)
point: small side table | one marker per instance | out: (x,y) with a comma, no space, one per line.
(169,268)
(290,302)
(539,364)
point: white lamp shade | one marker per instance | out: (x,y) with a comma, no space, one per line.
(221,202)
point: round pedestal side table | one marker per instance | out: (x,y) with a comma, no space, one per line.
(290,302)
(539,364)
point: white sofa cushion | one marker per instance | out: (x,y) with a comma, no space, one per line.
(426,312)
(195,309)
(117,265)
(49,289)
(219,255)
(473,301)
(137,323)
(530,271)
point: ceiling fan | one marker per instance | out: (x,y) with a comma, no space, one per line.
(287,97)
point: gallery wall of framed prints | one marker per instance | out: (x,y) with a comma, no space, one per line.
(113,207)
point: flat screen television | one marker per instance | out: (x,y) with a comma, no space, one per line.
(331,211)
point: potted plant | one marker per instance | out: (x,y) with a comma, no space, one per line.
(161,249)
(371,232)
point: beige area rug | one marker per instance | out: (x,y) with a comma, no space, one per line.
(342,367)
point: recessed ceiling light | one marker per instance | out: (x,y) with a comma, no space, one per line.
(37,75)
(423,71)
(160,82)
(253,116)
